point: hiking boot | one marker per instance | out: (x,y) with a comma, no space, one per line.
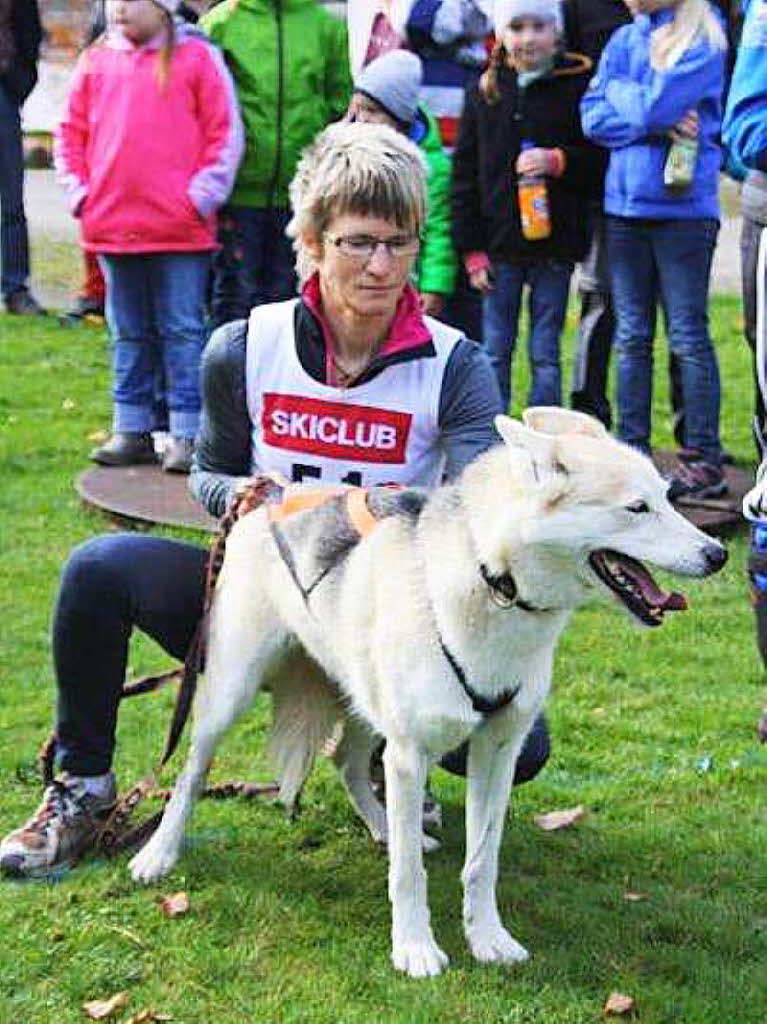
(693,477)
(177,457)
(126,450)
(85,310)
(63,827)
(23,303)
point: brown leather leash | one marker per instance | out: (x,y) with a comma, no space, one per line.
(113,835)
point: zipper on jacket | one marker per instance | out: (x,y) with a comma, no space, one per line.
(280,99)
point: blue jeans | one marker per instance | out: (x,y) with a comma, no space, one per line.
(14,239)
(255,263)
(667,261)
(549,282)
(155,308)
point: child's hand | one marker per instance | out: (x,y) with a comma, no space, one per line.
(687,128)
(540,162)
(481,280)
(431,303)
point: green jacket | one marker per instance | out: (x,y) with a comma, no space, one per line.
(437,263)
(290,64)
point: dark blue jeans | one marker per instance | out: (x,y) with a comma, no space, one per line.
(14,239)
(155,308)
(667,261)
(112,584)
(255,263)
(549,283)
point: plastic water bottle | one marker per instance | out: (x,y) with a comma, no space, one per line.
(679,168)
(533,198)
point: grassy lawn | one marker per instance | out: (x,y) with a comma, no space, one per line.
(653,733)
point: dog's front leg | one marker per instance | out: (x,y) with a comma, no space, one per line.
(489,779)
(413,947)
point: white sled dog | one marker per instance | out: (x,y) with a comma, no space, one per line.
(437,625)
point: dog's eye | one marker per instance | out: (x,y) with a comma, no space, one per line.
(638,507)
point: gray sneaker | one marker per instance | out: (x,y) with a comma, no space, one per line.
(62,828)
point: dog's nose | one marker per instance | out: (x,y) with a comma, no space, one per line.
(715,556)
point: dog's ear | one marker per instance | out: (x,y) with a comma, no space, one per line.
(538,446)
(553,420)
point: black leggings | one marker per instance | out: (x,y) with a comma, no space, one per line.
(111,584)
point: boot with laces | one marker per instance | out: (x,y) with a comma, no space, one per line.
(63,827)
(695,478)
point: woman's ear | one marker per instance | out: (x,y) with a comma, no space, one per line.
(312,245)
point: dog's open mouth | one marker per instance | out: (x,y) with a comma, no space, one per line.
(636,588)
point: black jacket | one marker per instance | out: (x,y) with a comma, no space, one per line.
(484,195)
(26,34)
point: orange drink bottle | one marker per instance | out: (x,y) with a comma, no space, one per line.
(533,197)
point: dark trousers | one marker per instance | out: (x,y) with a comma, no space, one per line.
(596,327)
(255,263)
(112,584)
(14,239)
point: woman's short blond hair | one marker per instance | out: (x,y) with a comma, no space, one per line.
(364,169)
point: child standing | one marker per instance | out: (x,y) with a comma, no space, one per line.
(522,121)
(289,62)
(386,92)
(148,150)
(655,102)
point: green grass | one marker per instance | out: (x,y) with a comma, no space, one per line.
(652,732)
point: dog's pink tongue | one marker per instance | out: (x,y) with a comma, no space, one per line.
(652,593)
(674,602)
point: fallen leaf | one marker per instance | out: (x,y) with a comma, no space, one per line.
(100,1009)
(67,405)
(553,820)
(147,1016)
(620,1004)
(634,897)
(99,436)
(175,905)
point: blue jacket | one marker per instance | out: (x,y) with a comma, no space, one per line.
(744,132)
(629,108)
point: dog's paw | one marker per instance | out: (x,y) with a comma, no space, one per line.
(152,862)
(419,959)
(496,946)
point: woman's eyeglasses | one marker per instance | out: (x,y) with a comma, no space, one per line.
(362,247)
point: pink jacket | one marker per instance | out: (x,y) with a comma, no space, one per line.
(146,168)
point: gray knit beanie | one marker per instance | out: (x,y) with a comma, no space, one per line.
(393,81)
(506,11)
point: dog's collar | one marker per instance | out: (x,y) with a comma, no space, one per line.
(504,592)
(480,704)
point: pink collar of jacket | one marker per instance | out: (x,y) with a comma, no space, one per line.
(408,329)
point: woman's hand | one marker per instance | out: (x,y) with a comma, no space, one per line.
(687,128)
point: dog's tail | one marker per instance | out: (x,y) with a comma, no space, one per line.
(305,711)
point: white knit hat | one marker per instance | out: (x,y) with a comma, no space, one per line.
(171,6)
(506,11)
(393,81)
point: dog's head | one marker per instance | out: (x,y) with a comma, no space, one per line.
(598,510)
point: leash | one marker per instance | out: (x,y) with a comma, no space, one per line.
(112,836)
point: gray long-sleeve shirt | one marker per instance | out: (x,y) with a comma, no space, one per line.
(223,454)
